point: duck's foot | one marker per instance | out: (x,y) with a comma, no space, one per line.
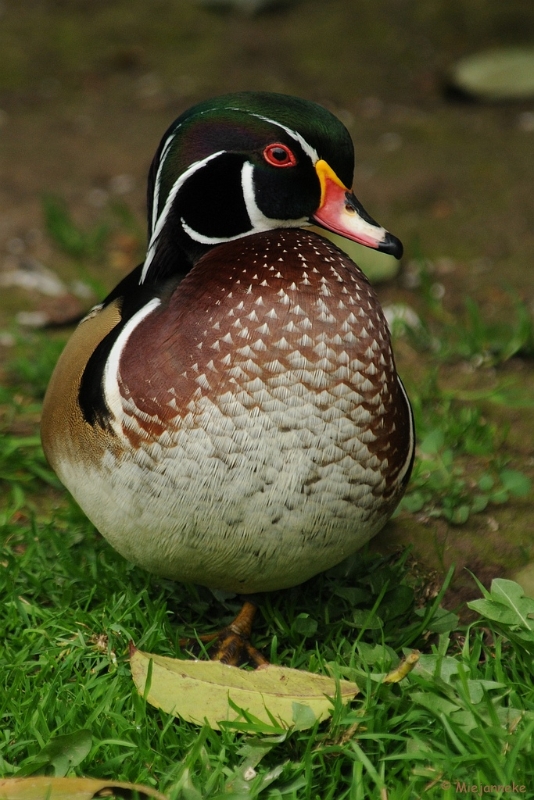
(234,647)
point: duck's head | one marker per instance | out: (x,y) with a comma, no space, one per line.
(249,162)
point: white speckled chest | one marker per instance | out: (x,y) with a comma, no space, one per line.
(260,432)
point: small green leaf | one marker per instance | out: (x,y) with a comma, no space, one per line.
(447,457)
(413,502)
(460,515)
(511,593)
(507,605)
(485,483)
(480,502)
(364,619)
(433,442)
(478,687)
(61,753)
(305,625)
(465,719)
(497,612)
(434,703)
(397,602)
(500,496)
(443,621)
(517,483)
(373,654)
(353,594)
(303,717)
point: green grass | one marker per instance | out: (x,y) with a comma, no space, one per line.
(71,605)
(460,468)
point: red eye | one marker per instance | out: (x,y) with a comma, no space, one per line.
(279,155)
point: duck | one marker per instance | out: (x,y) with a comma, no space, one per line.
(231,414)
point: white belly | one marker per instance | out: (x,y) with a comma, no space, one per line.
(230,501)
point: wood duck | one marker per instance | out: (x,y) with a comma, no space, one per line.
(230,415)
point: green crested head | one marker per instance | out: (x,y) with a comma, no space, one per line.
(244,163)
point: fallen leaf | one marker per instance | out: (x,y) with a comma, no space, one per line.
(43,788)
(208,691)
(61,753)
(505,73)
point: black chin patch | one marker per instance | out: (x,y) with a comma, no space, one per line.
(211,200)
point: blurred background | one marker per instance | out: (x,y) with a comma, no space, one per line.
(87,88)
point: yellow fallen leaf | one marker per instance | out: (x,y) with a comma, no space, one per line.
(44,788)
(199,691)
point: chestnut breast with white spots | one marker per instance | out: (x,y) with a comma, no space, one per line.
(266,434)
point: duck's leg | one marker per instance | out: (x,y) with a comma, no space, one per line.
(234,645)
(234,641)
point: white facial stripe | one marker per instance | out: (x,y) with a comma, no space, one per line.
(111,373)
(311,151)
(155,201)
(199,237)
(259,221)
(151,252)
